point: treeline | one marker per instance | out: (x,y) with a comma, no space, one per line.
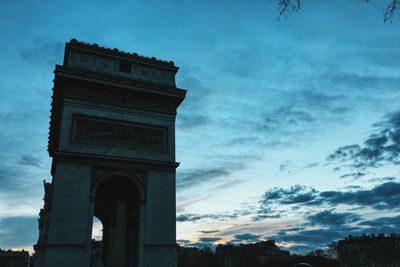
(195,257)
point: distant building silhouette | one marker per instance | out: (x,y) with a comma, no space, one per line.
(257,254)
(370,251)
(11,258)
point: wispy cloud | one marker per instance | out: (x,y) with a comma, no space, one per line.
(209,231)
(43,54)
(247,237)
(29,160)
(209,239)
(329,217)
(18,231)
(189,217)
(194,177)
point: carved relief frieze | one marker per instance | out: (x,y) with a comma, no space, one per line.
(153,74)
(116,132)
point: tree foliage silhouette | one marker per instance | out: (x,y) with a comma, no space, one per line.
(391,10)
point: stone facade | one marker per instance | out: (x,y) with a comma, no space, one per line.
(370,251)
(112,140)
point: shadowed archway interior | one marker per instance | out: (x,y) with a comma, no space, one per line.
(116,205)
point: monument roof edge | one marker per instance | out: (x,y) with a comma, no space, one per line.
(74,43)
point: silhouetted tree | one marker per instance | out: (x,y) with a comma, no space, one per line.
(331,250)
(317,253)
(391,10)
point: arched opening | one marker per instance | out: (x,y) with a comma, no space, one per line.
(97,229)
(97,242)
(116,205)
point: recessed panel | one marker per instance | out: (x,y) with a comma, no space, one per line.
(115,132)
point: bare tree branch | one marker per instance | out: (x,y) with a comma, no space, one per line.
(285,6)
(392,9)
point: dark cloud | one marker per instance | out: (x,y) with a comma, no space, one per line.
(285,116)
(209,231)
(291,168)
(18,231)
(307,240)
(247,237)
(194,177)
(382,196)
(295,115)
(244,140)
(9,178)
(316,236)
(328,217)
(260,217)
(209,239)
(199,217)
(215,216)
(29,160)
(339,229)
(315,99)
(284,166)
(382,179)
(191,121)
(311,165)
(345,152)
(188,218)
(353,175)
(196,97)
(383,221)
(17,116)
(381,147)
(293,195)
(43,54)
(362,82)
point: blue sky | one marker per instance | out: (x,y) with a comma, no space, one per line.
(290,130)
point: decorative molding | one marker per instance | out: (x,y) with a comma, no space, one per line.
(115,62)
(86,159)
(116,132)
(99,172)
(117,52)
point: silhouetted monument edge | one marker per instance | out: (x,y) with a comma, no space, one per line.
(112,140)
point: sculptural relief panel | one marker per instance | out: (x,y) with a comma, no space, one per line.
(92,129)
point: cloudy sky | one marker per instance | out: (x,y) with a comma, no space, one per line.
(290,130)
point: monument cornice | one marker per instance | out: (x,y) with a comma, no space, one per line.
(75,44)
(104,78)
(117,162)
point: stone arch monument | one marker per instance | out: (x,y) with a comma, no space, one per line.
(112,141)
